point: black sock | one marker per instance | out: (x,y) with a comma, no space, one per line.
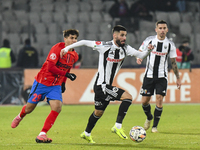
(91,122)
(157,115)
(123,108)
(147,111)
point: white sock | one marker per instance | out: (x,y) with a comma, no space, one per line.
(42,133)
(87,134)
(118,125)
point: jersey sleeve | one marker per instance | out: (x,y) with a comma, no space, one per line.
(54,54)
(130,51)
(144,46)
(172,53)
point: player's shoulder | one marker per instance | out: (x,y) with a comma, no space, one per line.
(149,38)
(107,43)
(59,45)
(170,42)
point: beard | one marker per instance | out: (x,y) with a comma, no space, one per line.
(119,43)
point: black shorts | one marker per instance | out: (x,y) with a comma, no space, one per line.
(102,100)
(151,84)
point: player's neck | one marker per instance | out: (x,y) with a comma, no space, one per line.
(160,38)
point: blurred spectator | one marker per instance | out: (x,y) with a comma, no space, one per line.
(181,5)
(120,9)
(7,56)
(139,10)
(166,5)
(184,55)
(28,56)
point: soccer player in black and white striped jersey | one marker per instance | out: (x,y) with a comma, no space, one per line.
(111,57)
(155,77)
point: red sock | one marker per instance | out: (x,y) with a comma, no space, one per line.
(49,121)
(22,113)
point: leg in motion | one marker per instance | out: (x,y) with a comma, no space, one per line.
(157,112)
(147,110)
(51,118)
(126,102)
(26,109)
(94,117)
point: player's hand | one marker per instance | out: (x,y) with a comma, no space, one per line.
(178,82)
(103,87)
(139,61)
(150,47)
(63,87)
(63,52)
(71,76)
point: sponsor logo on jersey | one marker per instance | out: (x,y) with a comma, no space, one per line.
(53,56)
(63,65)
(159,53)
(113,60)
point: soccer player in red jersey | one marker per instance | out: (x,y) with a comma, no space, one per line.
(50,83)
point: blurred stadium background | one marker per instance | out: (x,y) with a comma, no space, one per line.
(44,20)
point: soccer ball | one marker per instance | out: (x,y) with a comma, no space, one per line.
(137,134)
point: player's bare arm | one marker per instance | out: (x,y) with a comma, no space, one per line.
(176,72)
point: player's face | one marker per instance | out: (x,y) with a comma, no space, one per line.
(120,38)
(70,40)
(161,30)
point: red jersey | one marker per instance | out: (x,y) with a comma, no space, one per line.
(50,77)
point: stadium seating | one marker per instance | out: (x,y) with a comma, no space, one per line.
(174,19)
(185,29)
(45,20)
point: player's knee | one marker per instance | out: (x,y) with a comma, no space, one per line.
(28,110)
(98,113)
(126,95)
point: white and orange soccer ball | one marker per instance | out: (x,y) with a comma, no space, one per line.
(137,134)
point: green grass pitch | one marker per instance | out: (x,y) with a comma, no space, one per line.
(179,129)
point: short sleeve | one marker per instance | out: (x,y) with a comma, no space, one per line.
(144,45)
(172,53)
(54,54)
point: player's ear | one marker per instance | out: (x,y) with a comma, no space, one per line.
(114,35)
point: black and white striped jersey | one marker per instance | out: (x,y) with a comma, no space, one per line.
(111,59)
(157,61)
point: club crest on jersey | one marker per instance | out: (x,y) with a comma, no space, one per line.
(165,47)
(53,56)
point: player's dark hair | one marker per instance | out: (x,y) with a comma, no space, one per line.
(161,22)
(118,28)
(66,33)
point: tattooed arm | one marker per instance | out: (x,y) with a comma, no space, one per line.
(175,69)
